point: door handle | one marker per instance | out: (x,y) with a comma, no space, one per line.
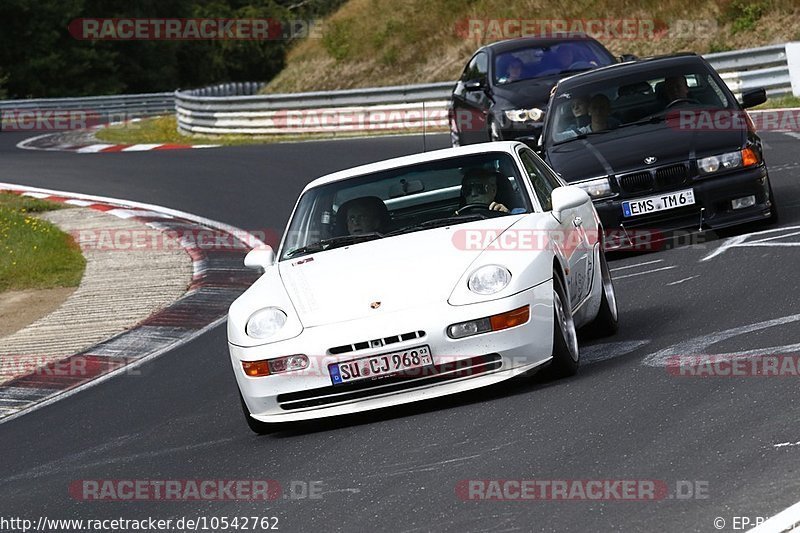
(577,221)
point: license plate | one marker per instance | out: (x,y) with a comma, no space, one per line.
(379,366)
(659,202)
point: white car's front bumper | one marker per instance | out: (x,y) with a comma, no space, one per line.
(468,363)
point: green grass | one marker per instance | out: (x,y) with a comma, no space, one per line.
(370,43)
(780,102)
(164,130)
(35,254)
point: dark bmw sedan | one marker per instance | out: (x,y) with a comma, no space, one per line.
(503,92)
(660,145)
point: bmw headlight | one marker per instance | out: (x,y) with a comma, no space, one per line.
(264,323)
(489,279)
(523,115)
(709,165)
(596,188)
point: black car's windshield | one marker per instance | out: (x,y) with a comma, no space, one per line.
(632,100)
(403,200)
(551,60)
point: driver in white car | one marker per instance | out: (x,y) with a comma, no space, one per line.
(479,186)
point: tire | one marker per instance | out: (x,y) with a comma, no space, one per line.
(773,217)
(494,131)
(455,135)
(257,426)
(566,355)
(607,320)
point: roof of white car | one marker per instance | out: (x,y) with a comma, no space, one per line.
(502,146)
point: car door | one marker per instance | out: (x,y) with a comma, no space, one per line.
(471,102)
(571,236)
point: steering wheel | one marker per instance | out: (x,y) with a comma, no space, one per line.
(682,101)
(471,207)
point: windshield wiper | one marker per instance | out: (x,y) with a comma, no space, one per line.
(335,242)
(583,136)
(581,69)
(438,222)
(652,119)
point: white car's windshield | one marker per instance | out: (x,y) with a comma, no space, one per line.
(405,199)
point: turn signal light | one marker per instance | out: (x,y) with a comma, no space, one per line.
(256,369)
(510,318)
(749,157)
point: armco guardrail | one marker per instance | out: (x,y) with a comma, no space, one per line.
(384,108)
(117,107)
(766,67)
(225,111)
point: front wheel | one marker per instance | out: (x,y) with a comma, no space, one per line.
(773,217)
(566,356)
(607,321)
(494,131)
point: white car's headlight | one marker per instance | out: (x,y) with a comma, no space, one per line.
(596,188)
(523,115)
(264,323)
(489,279)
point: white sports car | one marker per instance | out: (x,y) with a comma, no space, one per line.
(417,277)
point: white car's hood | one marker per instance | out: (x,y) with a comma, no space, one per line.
(380,276)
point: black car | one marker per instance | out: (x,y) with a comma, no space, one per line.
(660,144)
(505,86)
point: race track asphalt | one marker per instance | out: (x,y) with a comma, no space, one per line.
(398,469)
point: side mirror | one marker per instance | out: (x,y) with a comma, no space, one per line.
(627,57)
(475,85)
(260,258)
(568,197)
(753,97)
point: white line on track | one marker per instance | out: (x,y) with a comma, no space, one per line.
(681,280)
(642,273)
(783,521)
(637,265)
(784,444)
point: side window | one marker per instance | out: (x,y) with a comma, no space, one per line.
(477,68)
(543,182)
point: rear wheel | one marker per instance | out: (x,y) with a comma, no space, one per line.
(607,321)
(566,356)
(257,426)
